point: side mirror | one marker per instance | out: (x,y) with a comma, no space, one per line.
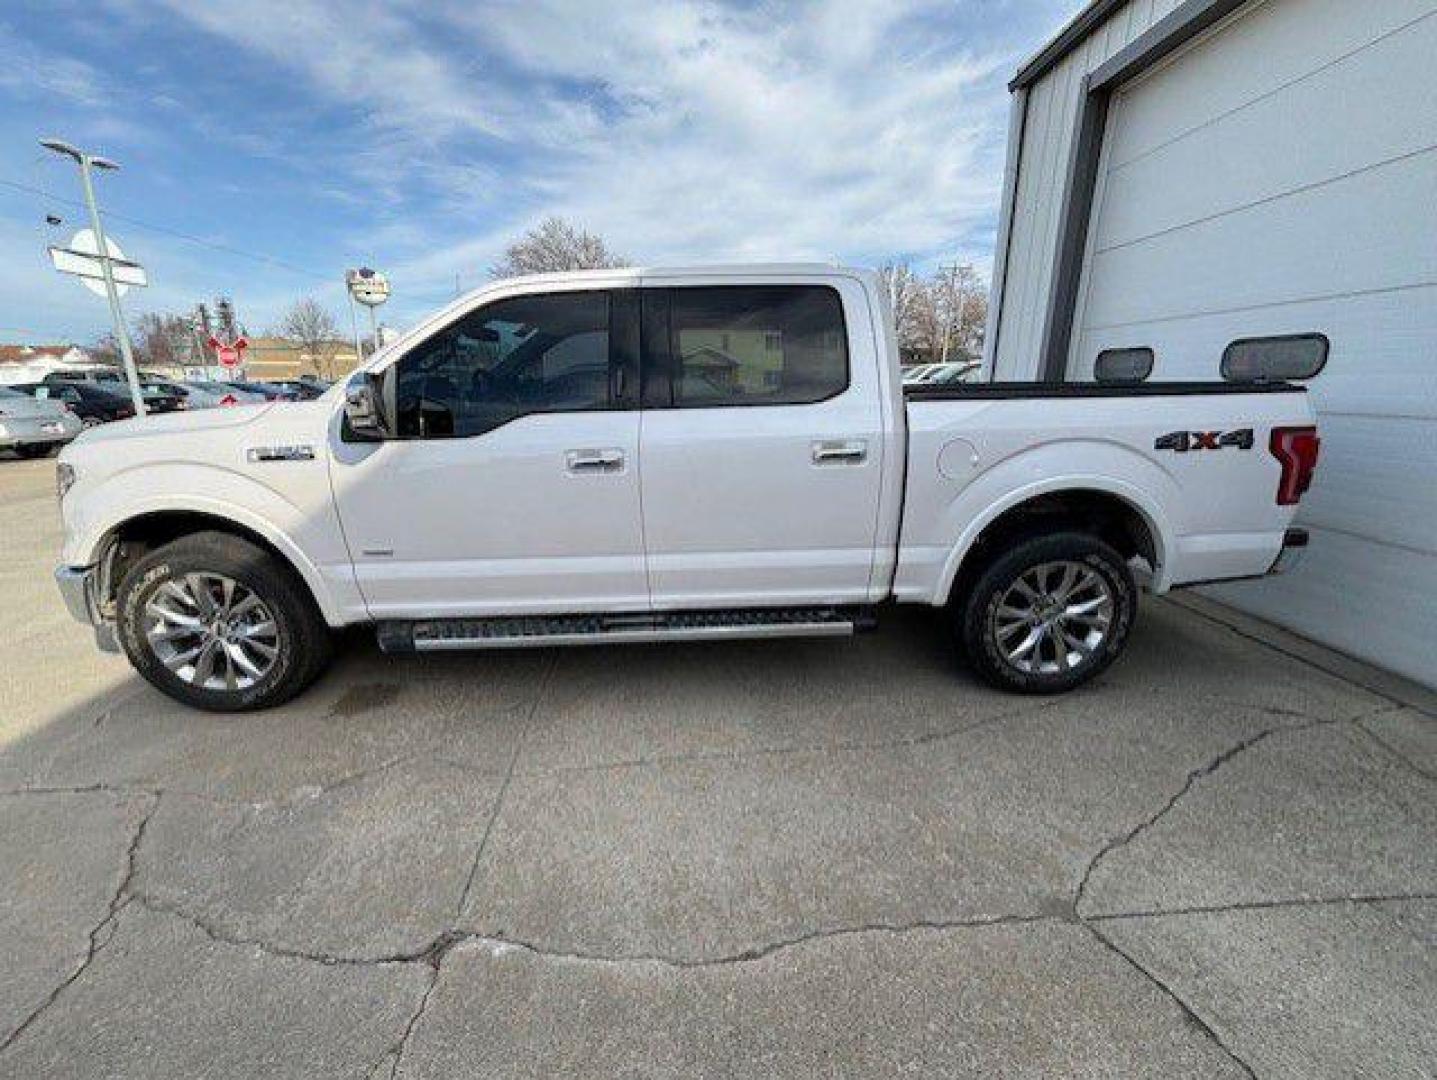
(366,417)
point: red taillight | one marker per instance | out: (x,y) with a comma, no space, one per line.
(1296,450)
(229,399)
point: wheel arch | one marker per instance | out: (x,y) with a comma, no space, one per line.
(125,541)
(1116,512)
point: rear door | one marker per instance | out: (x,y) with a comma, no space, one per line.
(761,442)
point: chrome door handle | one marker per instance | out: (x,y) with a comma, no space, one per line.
(594,461)
(834,453)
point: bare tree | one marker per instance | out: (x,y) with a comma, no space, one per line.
(555,244)
(310,323)
(162,340)
(902,288)
(104,350)
(961,300)
(950,306)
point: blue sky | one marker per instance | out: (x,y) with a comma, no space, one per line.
(419,138)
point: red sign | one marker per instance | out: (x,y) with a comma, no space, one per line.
(228,355)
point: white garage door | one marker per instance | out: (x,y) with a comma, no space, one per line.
(1279,176)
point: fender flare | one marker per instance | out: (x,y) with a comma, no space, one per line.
(222,512)
(1147,508)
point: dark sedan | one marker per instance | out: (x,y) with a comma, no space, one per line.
(302,389)
(93,403)
(159,398)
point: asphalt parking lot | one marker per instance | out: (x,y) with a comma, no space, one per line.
(777,859)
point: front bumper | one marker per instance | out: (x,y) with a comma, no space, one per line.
(79,589)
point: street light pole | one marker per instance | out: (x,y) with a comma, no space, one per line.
(354,326)
(122,336)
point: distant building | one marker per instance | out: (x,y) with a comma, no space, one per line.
(281,358)
(31,363)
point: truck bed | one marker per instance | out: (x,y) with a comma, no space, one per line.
(1192,457)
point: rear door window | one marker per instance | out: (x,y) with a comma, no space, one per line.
(755,345)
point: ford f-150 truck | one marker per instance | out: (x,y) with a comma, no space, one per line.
(649,455)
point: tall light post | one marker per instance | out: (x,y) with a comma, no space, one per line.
(371,289)
(122,335)
(354,327)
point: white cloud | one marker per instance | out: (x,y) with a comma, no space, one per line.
(684,130)
(28,71)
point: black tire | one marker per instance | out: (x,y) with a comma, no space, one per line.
(979,624)
(36,450)
(303,641)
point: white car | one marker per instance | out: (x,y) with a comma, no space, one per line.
(958,371)
(204,394)
(34,427)
(656,455)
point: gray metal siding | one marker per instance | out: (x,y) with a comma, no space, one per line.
(1042,171)
(1279,175)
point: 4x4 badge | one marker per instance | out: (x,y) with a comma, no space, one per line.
(1183,441)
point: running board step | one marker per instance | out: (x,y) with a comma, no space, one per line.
(432,635)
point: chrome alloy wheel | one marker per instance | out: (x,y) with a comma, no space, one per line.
(1053,618)
(211,631)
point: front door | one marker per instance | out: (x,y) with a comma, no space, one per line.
(513,485)
(762,445)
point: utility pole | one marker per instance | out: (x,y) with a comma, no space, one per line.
(122,335)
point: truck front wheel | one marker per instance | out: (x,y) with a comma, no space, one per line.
(219,623)
(1048,614)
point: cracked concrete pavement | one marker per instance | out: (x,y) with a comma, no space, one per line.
(763,859)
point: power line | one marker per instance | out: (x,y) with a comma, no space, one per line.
(176,233)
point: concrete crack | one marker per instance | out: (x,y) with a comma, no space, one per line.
(519,740)
(1187,1010)
(1391,750)
(761,952)
(395,1052)
(1263,905)
(926,739)
(1118,842)
(221,936)
(1201,772)
(102,932)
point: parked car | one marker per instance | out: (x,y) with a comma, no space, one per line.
(190,395)
(93,403)
(33,427)
(623,455)
(159,399)
(268,391)
(301,389)
(226,393)
(109,377)
(964,371)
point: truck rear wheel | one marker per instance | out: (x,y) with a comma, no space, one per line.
(1048,614)
(219,623)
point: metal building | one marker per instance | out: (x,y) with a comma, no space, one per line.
(1188,174)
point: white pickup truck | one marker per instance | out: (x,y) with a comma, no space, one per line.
(650,455)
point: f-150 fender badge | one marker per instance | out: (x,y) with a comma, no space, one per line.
(1183,441)
(280,453)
